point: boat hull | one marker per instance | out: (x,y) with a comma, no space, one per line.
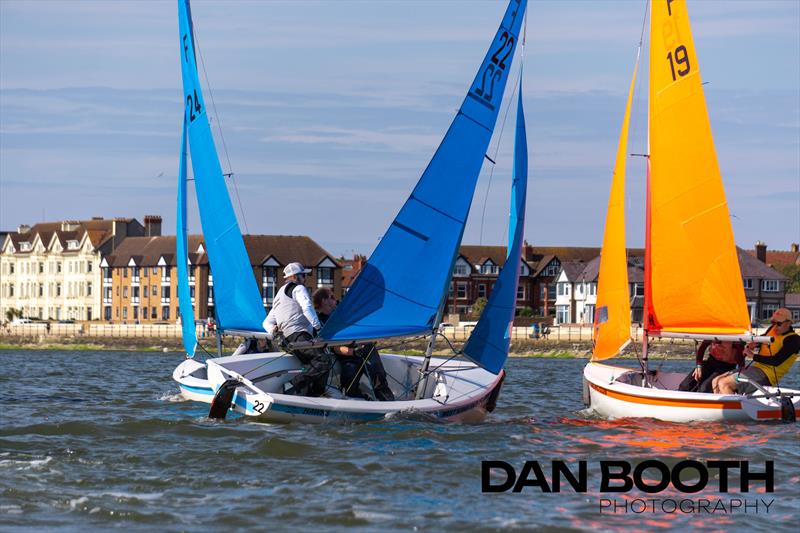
(457,391)
(611,392)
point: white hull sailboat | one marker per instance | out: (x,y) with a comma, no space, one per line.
(457,391)
(693,285)
(387,299)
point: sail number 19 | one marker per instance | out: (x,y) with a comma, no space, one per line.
(681,58)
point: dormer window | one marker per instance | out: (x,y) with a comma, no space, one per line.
(72,245)
(25,246)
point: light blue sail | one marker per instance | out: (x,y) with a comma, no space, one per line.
(181,257)
(400,289)
(489,342)
(236,295)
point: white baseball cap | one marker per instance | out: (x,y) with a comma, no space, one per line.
(292,269)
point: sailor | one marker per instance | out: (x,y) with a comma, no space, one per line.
(293,315)
(354,361)
(771,362)
(722,358)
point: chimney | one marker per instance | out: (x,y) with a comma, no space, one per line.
(761,251)
(795,247)
(69,225)
(152,226)
(97,218)
(23,228)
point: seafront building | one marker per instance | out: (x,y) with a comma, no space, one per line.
(140,278)
(51,270)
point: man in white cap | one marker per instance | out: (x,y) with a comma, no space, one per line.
(293,315)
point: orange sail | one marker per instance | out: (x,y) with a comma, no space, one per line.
(612,319)
(695,285)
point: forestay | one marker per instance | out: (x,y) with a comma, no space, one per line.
(400,289)
(237,299)
(488,345)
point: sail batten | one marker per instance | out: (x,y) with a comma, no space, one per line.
(237,300)
(401,287)
(695,284)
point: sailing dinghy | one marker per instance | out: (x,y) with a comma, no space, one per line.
(389,298)
(693,285)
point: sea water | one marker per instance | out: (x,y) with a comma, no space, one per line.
(102,440)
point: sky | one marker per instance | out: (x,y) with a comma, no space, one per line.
(328,112)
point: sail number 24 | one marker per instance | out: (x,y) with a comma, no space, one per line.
(192,102)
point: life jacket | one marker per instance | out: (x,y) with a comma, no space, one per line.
(288,313)
(775,373)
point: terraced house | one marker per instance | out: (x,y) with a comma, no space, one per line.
(51,271)
(140,278)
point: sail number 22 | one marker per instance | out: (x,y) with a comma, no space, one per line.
(493,72)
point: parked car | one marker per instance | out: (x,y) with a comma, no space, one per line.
(21,321)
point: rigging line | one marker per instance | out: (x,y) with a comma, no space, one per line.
(221,134)
(497,147)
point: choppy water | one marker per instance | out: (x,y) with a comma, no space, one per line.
(101,440)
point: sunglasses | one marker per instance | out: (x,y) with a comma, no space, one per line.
(781,322)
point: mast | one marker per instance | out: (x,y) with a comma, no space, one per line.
(647,241)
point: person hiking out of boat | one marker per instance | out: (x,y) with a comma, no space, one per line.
(354,361)
(771,361)
(293,315)
(722,357)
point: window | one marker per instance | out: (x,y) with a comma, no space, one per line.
(165,293)
(124,292)
(135,293)
(191,293)
(117,290)
(489,268)
(124,313)
(58,289)
(269,279)
(521,292)
(324,277)
(191,274)
(41,289)
(593,289)
(89,289)
(461,290)
(461,270)
(155,290)
(481,290)
(563,289)
(107,273)
(153,313)
(767,310)
(136,273)
(107,313)
(58,267)
(770,285)
(552,269)
(41,269)
(580,289)
(125,272)
(88,266)
(11,268)
(135,313)
(450,291)
(562,314)
(155,271)
(165,313)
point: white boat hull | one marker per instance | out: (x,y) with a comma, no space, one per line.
(612,392)
(456,390)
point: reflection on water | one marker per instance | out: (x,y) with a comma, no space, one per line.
(107,443)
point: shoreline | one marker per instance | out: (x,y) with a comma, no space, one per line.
(519,349)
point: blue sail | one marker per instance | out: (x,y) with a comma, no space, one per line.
(400,289)
(489,342)
(181,257)
(236,294)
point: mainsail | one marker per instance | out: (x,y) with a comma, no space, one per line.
(182,257)
(692,272)
(612,318)
(488,345)
(237,299)
(400,289)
